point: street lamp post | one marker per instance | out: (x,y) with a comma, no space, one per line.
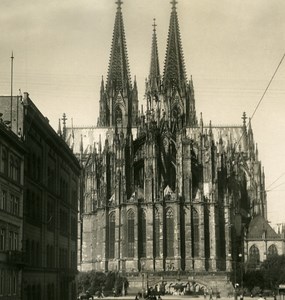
(241,271)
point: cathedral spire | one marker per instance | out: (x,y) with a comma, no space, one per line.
(174,68)
(118,72)
(154,74)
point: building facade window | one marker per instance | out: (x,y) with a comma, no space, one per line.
(17,171)
(131,233)
(10,280)
(11,240)
(4,161)
(2,239)
(16,209)
(272,250)
(11,173)
(11,204)
(14,283)
(63,222)
(142,234)
(2,282)
(254,256)
(3,203)
(169,233)
(16,241)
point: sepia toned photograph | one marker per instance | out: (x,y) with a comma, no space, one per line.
(142,149)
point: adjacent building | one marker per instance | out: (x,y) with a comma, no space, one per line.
(12,153)
(164,192)
(50,203)
(262,241)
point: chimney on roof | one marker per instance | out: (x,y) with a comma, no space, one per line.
(26,96)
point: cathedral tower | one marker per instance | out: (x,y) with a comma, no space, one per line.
(118,100)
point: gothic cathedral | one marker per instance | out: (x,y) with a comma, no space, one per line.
(162,191)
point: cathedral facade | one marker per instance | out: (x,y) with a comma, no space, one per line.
(162,190)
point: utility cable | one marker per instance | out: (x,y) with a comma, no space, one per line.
(265,91)
(275,187)
(268,86)
(276,180)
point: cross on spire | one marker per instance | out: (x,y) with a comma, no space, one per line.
(154,25)
(244,117)
(119,3)
(173,2)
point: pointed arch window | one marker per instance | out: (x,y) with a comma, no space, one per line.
(142,234)
(272,250)
(156,233)
(196,236)
(169,233)
(112,224)
(131,233)
(254,256)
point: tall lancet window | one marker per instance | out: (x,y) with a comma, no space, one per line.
(169,233)
(112,224)
(131,233)
(254,256)
(196,237)
(156,234)
(272,250)
(142,234)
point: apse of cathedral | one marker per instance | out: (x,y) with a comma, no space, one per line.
(162,191)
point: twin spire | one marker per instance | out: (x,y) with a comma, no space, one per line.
(174,68)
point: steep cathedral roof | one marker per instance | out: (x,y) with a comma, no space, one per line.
(118,71)
(260,229)
(174,68)
(154,73)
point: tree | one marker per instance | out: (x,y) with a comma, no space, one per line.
(253,279)
(91,281)
(83,281)
(273,270)
(96,282)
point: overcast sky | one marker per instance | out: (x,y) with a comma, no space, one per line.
(231,48)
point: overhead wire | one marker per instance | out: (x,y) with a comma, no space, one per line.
(275,187)
(262,97)
(275,180)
